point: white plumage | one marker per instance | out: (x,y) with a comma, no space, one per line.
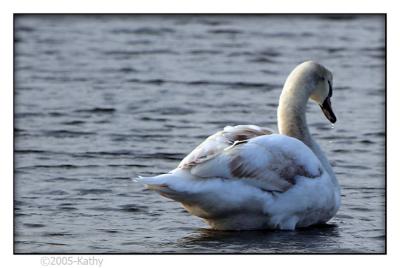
(246,177)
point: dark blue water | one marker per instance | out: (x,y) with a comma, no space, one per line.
(101,99)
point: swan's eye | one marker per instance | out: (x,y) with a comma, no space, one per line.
(330,89)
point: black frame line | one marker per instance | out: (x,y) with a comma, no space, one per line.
(338,16)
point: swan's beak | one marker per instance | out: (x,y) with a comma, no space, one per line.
(327,109)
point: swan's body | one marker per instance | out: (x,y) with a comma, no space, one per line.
(246,177)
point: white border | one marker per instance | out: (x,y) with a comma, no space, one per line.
(202,6)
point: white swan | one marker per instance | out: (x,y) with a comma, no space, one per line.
(245,177)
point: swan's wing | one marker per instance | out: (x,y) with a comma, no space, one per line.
(270,162)
(221,140)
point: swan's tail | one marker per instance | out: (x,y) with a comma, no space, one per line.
(166,185)
(205,198)
(157,182)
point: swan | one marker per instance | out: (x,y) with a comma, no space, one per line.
(247,177)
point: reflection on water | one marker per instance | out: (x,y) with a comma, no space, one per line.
(313,239)
(102,99)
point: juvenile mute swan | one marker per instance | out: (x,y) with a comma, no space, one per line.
(245,177)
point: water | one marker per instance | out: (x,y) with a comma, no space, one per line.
(101,99)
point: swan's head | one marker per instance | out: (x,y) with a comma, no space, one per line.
(318,80)
(322,92)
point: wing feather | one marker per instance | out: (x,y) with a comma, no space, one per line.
(220,141)
(270,162)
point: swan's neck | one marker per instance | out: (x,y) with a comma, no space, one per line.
(292,115)
(292,121)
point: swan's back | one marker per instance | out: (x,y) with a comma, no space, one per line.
(221,140)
